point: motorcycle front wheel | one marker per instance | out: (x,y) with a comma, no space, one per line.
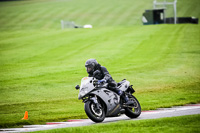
(133,111)
(96,115)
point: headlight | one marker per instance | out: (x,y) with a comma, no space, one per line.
(83,92)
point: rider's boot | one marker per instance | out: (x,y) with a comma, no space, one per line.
(124,97)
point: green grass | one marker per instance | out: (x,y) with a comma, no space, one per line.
(40,64)
(47,14)
(182,124)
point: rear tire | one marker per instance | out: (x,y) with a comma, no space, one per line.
(135,111)
(93,113)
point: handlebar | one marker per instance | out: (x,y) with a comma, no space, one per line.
(99,85)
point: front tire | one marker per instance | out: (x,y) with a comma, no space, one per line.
(135,110)
(92,112)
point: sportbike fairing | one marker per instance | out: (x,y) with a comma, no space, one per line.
(86,86)
(110,98)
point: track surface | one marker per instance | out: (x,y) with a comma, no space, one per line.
(160,113)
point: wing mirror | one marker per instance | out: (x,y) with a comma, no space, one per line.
(77,87)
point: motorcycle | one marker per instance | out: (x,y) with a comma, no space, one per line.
(100,102)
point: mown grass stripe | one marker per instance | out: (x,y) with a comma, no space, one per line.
(90,14)
(106,15)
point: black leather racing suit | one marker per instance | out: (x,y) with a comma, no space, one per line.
(104,74)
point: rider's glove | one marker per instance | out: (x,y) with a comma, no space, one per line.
(102,81)
(120,93)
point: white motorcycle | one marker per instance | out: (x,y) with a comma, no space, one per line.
(101,102)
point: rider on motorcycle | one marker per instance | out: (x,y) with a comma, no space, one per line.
(94,69)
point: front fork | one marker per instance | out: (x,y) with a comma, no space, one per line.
(94,100)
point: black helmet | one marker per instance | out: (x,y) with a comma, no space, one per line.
(90,65)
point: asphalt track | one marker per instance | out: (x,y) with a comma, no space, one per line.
(154,114)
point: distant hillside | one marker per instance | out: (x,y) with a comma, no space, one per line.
(47,14)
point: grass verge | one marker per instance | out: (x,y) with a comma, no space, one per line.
(181,124)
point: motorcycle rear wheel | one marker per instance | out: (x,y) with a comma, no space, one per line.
(135,111)
(92,112)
